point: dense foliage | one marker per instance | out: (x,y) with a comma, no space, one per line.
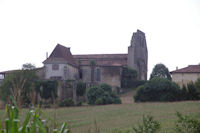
(129,78)
(80,88)
(66,102)
(161,71)
(158,89)
(20,84)
(102,94)
(48,89)
(187,124)
(161,89)
(149,125)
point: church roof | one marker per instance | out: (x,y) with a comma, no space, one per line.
(189,69)
(103,59)
(61,53)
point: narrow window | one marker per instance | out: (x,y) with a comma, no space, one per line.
(80,74)
(98,74)
(55,67)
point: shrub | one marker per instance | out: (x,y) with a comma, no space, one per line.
(116,98)
(81,88)
(192,91)
(99,101)
(186,124)
(158,89)
(129,78)
(106,87)
(47,88)
(66,103)
(148,125)
(102,94)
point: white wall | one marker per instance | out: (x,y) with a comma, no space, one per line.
(185,78)
(65,71)
(54,73)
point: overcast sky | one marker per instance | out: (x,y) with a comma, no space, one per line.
(29,29)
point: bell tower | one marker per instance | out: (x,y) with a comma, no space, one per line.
(138,54)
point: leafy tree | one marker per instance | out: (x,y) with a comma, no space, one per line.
(158,89)
(160,70)
(20,84)
(28,66)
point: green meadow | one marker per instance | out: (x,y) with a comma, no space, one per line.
(110,118)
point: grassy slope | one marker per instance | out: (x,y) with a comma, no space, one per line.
(110,117)
(123,116)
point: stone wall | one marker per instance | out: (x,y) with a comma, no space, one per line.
(65,71)
(184,78)
(138,54)
(108,74)
(111,75)
(86,73)
(72,73)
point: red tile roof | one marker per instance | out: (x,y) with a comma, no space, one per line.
(189,69)
(103,59)
(61,53)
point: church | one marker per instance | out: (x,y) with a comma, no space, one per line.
(98,68)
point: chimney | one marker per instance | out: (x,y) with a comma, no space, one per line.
(176,68)
(46,55)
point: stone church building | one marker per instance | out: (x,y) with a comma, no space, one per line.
(98,68)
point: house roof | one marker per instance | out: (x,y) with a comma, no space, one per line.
(189,69)
(12,71)
(61,53)
(103,59)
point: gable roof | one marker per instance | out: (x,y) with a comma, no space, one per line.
(103,59)
(189,69)
(61,53)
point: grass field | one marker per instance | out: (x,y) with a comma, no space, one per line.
(124,116)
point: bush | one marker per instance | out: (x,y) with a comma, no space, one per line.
(47,88)
(158,89)
(186,124)
(129,78)
(81,88)
(67,102)
(192,92)
(102,94)
(148,125)
(106,87)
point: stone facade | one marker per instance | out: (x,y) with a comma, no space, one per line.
(64,71)
(185,78)
(138,54)
(112,76)
(60,65)
(185,75)
(107,68)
